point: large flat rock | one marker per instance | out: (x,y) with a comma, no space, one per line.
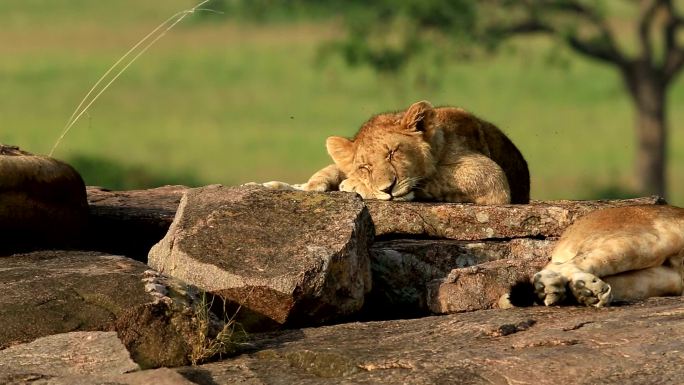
(476,222)
(286,257)
(627,345)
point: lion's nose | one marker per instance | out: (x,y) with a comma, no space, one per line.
(389,188)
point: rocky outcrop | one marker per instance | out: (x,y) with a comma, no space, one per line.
(52,292)
(42,202)
(626,345)
(283,257)
(403,261)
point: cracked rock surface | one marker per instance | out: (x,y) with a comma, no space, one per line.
(636,344)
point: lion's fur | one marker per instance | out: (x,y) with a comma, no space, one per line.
(637,251)
(427,153)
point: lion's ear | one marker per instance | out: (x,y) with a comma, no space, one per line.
(341,150)
(418,116)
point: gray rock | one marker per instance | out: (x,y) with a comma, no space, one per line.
(42,202)
(92,353)
(626,345)
(286,257)
(51,292)
(477,222)
(402,269)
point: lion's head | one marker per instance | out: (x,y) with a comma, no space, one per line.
(390,154)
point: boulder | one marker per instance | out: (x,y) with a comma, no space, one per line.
(477,222)
(402,269)
(485,286)
(42,202)
(161,321)
(284,257)
(130,222)
(627,345)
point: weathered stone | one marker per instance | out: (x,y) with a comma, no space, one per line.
(402,269)
(42,202)
(131,222)
(51,292)
(477,222)
(481,286)
(284,256)
(94,353)
(626,345)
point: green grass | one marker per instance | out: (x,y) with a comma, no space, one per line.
(224,103)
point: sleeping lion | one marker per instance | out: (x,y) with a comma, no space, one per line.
(425,153)
(616,254)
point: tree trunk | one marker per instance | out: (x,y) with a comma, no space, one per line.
(648,93)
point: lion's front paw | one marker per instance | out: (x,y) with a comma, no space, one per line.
(274,185)
(549,286)
(357,186)
(319,186)
(590,290)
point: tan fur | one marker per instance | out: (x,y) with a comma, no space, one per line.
(426,153)
(620,253)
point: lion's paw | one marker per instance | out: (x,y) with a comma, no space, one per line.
(357,186)
(312,186)
(590,290)
(275,185)
(549,286)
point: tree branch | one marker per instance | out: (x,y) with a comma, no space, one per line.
(674,55)
(648,11)
(603,48)
(605,52)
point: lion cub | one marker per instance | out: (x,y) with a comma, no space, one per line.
(622,253)
(426,153)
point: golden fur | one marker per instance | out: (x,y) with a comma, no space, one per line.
(623,253)
(426,153)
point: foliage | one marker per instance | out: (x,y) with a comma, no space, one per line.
(236,102)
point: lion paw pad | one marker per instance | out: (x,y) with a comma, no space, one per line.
(589,290)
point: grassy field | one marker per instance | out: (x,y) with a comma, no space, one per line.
(216,102)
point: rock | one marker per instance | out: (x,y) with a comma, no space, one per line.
(482,286)
(626,345)
(402,269)
(42,202)
(51,292)
(476,222)
(93,353)
(131,222)
(286,257)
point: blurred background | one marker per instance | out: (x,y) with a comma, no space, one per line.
(251,94)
